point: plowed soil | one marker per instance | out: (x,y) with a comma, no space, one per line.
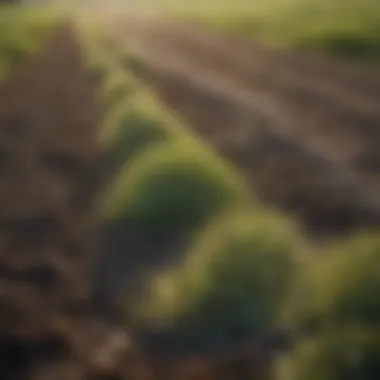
(303,129)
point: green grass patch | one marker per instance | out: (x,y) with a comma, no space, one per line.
(22,33)
(173,188)
(101,55)
(116,87)
(348,352)
(335,310)
(133,132)
(343,286)
(232,284)
(135,123)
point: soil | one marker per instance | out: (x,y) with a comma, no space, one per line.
(303,129)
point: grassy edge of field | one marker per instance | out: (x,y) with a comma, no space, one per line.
(349,29)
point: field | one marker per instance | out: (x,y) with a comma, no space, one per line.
(188,308)
(237,237)
(213,84)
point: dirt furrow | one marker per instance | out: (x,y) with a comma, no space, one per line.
(324,74)
(314,106)
(339,120)
(283,174)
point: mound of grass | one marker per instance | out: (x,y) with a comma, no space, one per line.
(340,353)
(135,124)
(130,62)
(173,188)
(98,67)
(102,58)
(115,88)
(23,32)
(114,84)
(232,285)
(341,287)
(136,131)
(336,312)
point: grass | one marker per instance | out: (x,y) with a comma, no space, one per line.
(117,87)
(343,286)
(138,108)
(22,33)
(345,27)
(173,188)
(348,352)
(137,131)
(232,284)
(336,311)
(131,130)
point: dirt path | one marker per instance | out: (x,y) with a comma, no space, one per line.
(303,129)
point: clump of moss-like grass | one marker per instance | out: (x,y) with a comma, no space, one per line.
(232,285)
(173,188)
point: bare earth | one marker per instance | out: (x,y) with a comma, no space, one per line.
(305,130)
